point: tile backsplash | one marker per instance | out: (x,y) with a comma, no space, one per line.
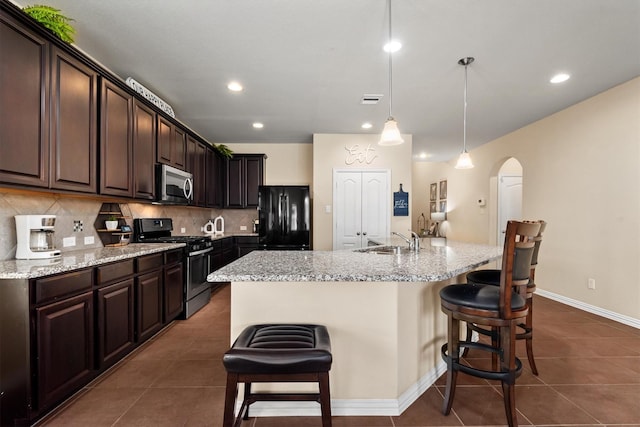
(75,217)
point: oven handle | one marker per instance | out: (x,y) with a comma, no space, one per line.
(200,252)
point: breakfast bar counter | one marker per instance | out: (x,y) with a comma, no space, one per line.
(382,311)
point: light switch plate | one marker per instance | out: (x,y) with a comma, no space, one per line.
(243,228)
(89,240)
(68,241)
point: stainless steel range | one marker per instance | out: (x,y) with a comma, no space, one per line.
(197,291)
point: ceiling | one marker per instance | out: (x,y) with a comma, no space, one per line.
(305,64)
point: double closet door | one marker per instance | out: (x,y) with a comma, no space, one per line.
(361,207)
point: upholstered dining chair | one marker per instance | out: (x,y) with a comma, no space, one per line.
(498,308)
(492,277)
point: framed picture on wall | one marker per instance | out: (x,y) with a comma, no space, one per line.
(433,192)
(433,207)
(443,206)
(443,189)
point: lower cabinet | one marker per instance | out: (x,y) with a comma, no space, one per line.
(173,291)
(64,348)
(115,322)
(148,304)
(65,329)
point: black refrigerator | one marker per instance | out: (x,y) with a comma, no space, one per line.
(284,214)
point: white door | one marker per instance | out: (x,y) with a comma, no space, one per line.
(360,207)
(509,203)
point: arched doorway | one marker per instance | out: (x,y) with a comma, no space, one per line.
(506,184)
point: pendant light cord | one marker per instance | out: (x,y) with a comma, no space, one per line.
(390,63)
(464,125)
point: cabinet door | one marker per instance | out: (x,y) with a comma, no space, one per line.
(149,304)
(73,124)
(234,196)
(200,178)
(144,151)
(165,140)
(254,177)
(64,359)
(115,322)
(215,184)
(179,153)
(24,127)
(116,142)
(173,291)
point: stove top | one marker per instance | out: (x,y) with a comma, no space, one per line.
(158,230)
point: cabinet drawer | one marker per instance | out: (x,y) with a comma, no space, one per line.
(172,257)
(50,288)
(150,262)
(112,272)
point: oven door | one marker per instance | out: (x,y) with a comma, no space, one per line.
(197,272)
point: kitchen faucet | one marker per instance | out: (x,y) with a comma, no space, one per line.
(413,243)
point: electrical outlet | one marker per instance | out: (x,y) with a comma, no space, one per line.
(243,228)
(89,240)
(183,230)
(68,241)
(591,283)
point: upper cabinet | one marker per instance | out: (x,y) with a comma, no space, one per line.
(172,143)
(245,172)
(215,177)
(196,164)
(116,141)
(69,125)
(144,151)
(48,125)
(24,94)
(74,113)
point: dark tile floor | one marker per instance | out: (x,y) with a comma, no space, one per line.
(589,375)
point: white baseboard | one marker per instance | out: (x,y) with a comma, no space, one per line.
(350,407)
(627,320)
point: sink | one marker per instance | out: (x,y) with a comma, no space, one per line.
(386,250)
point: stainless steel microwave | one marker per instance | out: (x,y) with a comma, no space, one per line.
(174,186)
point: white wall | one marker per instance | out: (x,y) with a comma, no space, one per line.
(581,175)
(330,152)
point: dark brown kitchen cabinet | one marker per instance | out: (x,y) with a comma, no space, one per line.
(173,291)
(215,177)
(115,322)
(197,158)
(24,124)
(148,304)
(144,151)
(245,244)
(73,129)
(172,144)
(245,172)
(116,141)
(64,337)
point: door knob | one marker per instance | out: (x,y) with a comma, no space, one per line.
(364,233)
(358,233)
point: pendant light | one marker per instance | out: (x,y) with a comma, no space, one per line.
(390,133)
(464,161)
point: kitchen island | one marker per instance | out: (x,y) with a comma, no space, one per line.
(382,311)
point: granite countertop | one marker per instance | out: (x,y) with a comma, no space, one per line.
(75,260)
(441,260)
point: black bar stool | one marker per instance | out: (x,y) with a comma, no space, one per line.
(278,353)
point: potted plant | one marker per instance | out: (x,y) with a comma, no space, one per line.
(52,19)
(111,222)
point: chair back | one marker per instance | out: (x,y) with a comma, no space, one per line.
(519,246)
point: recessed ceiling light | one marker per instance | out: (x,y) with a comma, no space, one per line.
(392,46)
(234,87)
(367,125)
(422,155)
(258,125)
(559,78)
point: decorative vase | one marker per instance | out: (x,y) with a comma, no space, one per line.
(111,225)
